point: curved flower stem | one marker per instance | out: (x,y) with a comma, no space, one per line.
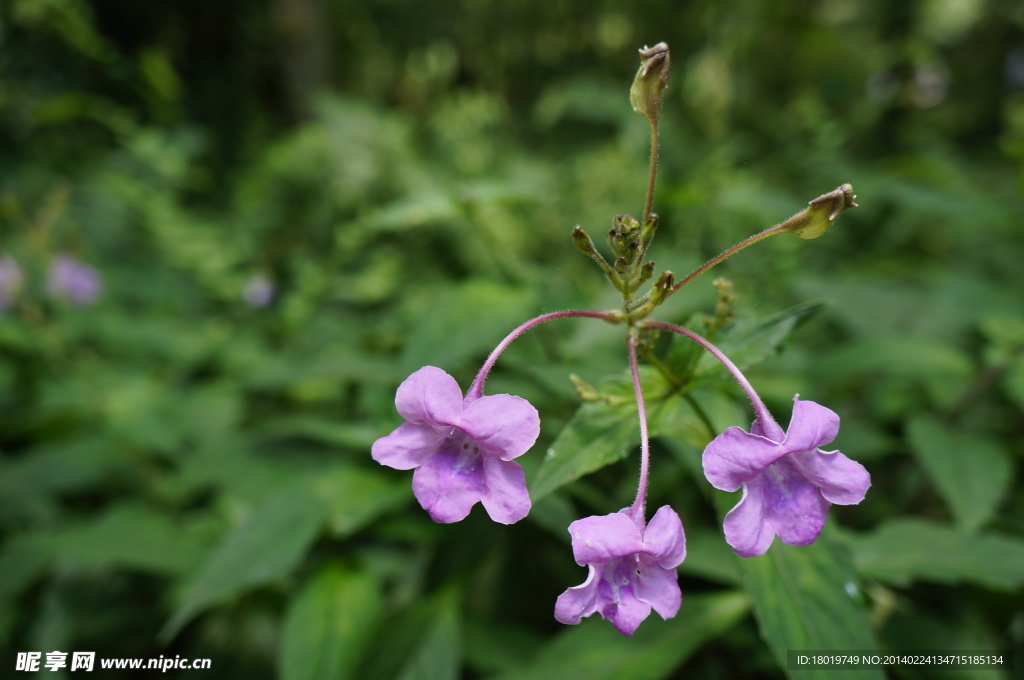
(636,511)
(476,390)
(726,254)
(771,429)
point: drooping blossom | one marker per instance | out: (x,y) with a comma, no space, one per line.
(462,449)
(10,281)
(788,481)
(74,281)
(632,569)
(259,291)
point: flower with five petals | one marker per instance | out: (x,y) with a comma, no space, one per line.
(632,569)
(462,450)
(788,481)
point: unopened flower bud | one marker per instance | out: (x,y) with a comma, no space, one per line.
(623,236)
(650,81)
(815,220)
(662,287)
(646,271)
(626,225)
(649,229)
(582,241)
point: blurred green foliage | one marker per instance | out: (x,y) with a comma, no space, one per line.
(183,473)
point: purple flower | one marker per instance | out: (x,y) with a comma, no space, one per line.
(10,281)
(788,482)
(462,449)
(71,280)
(632,569)
(259,291)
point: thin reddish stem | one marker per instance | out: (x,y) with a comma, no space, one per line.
(726,254)
(476,390)
(636,511)
(764,416)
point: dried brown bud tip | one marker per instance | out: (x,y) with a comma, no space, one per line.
(820,213)
(650,81)
(839,200)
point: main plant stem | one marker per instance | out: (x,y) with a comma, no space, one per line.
(653,176)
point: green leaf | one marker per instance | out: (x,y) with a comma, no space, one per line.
(264,547)
(599,434)
(902,551)
(709,556)
(22,562)
(970,471)
(128,536)
(439,654)
(594,650)
(750,339)
(1014,383)
(357,436)
(498,645)
(30,484)
(329,624)
(353,496)
(803,599)
(904,357)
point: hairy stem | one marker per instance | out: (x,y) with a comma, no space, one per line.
(726,254)
(636,511)
(768,424)
(653,176)
(476,390)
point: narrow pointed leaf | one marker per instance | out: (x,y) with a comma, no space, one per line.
(805,598)
(329,624)
(903,551)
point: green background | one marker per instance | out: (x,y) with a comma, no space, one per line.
(184,474)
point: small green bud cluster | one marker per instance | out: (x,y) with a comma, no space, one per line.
(629,240)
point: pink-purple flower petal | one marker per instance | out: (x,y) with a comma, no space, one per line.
(664,539)
(460,451)
(447,487)
(630,570)
(504,497)
(812,426)
(503,424)
(578,602)
(627,614)
(604,538)
(746,528)
(792,504)
(842,481)
(660,589)
(430,396)
(788,482)
(408,446)
(735,457)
